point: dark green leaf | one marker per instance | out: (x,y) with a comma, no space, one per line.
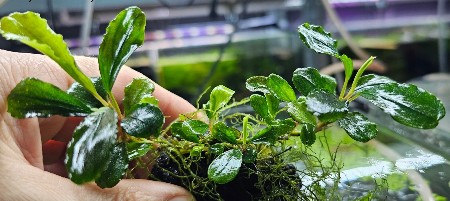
(326,106)
(225,167)
(219,97)
(309,79)
(89,151)
(31,29)
(317,39)
(192,128)
(123,36)
(348,66)
(407,104)
(137,149)
(273,104)
(299,112)
(144,120)
(35,98)
(259,105)
(138,90)
(271,133)
(197,150)
(308,136)
(280,88)
(217,148)
(223,133)
(358,127)
(77,90)
(175,130)
(116,168)
(249,155)
(257,83)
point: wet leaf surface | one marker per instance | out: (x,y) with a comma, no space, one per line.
(116,168)
(219,97)
(280,88)
(259,105)
(318,39)
(144,120)
(308,136)
(326,106)
(225,167)
(257,83)
(309,79)
(77,90)
(271,133)
(192,129)
(138,91)
(358,127)
(137,149)
(223,133)
(300,113)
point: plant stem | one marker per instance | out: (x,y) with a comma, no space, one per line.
(114,105)
(358,75)
(99,98)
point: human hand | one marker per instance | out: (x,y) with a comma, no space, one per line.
(32,150)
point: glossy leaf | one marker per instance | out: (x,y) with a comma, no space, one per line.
(144,120)
(309,79)
(273,104)
(32,30)
(217,148)
(197,150)
(259,105)
(77,90)
(116,168)
(308,136)
(123,36)
(223,133)
(326,106)
(89,151)
(348,66)
(271,133)
(299,112)
(358,127)
(249,155)
(137,149)
(192,129)
(225,167)
(35,98)
(257,83)
(138,91)
(407,104)
(317,39)
(280,88)
(219,97)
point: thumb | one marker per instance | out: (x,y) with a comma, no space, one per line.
(35,184)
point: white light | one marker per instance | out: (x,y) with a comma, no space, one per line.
(227,29)
(194,31)
(159,35)
(210,30)
(177,33)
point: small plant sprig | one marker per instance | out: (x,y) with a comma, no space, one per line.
(108,138)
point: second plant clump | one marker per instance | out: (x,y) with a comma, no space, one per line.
(214,157)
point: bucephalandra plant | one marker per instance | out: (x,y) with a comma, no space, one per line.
(207,156)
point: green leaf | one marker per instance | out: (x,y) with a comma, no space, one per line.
(271,133)
(35,98)
(358,127)
(32,30)
(280,88)
(217,148)
(138,91)
(144,120)
(257,83)
(123,36)
(348,66)
(192,128)
(116,168)
(249,155)
(300,113)
(225,167)
(273,104)
(406,103)
(137,149)
(309,79)
(259,105)
(317,39)
(197,150)
(219,97)
(308,136)
(223,133)
(326,106)
(77,90)
(89,151)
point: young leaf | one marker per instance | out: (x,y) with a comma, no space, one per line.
(280,88)
(223,133)
(358,127)
(197,150)
(225,167)
(273,104)
(137,149)
(35,98)
(32,30)
(407,104)
(116,168)
(144,120)
(259,105)
(219,97)
(299,112)
(348,67)
(326,106)
(192,128)
(89,151)
(271,133)
(257,83)
(77,90)
(308,136)
(123,36)
(309,79)
(317,39)
(138,90)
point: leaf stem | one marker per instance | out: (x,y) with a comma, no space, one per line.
(115,105)
(99,98)
(358,75)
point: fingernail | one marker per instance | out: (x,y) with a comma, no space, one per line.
(183,198)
